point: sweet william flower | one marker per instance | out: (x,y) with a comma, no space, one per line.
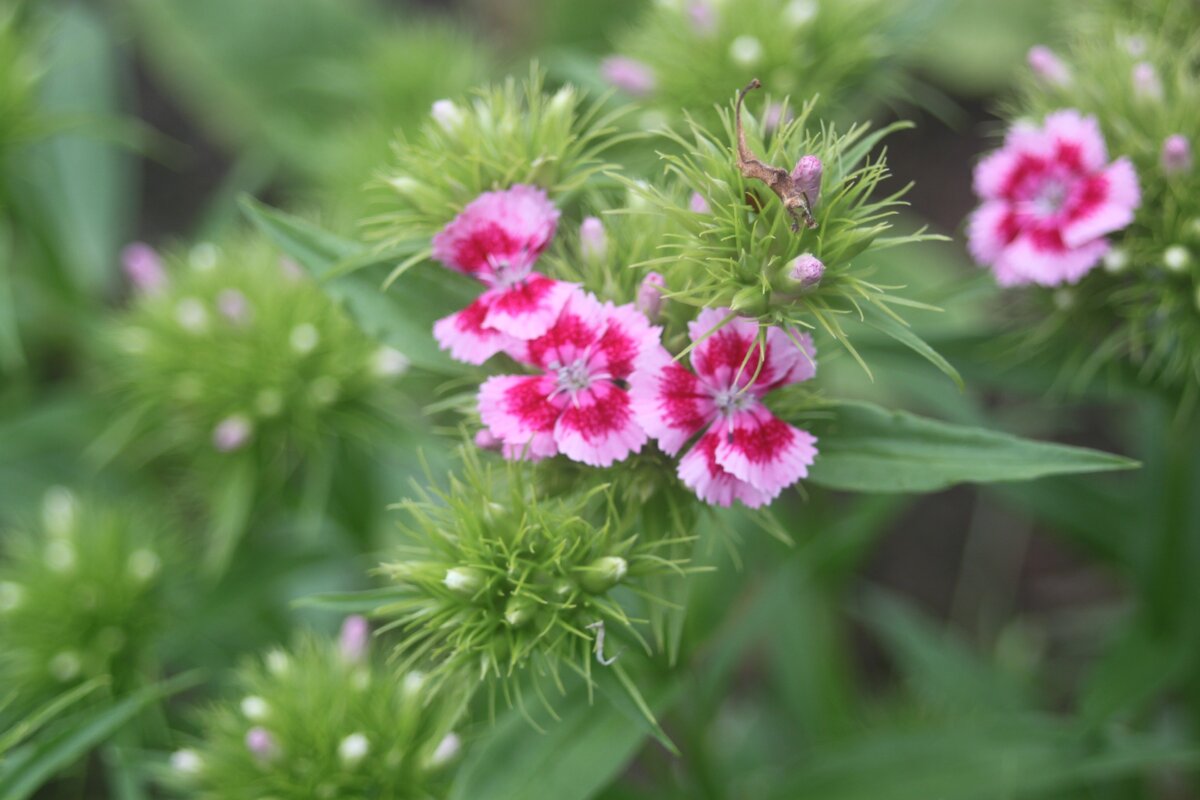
(744,451)
(576,405)
(1050,197)
(497,239)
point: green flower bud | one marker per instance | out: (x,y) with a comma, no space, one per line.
(603,574)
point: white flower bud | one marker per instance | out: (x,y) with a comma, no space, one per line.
(388,362)
(446,751)
(1177,258)
(746,51)
(203,257)
(191,315)
(1116,260)
(353,749)
(11,595)
(143,565)
(463,579)
(254,708)
(186,762)
(799,13)
(66,666)
(60,512)
(304,338)
(447,115)
(278,663)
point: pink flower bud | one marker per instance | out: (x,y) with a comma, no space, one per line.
(234,306)
(1176,157)
(144,268)
(806,176)
(592,239)
(698,204)
(1146,83)
(650,295)
(774,116)
(261,743)
(232,433)
(486,440)
(291,270)
(629,75)
(702,16)
(353,640)
(807,271)
(1048,66)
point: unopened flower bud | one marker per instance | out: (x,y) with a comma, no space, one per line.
(807,270)
(806,177)
(412,682)
(389,362)
(11,595)
(304,338)
(278,663)
(143,268)
(465,580)
(66,666)
(254,708)
(775,115)
(203,257)
(403,184)
(562,102)
(698,204)
(143,565)
(353,749)
(702,16)
(291,269)
(518,611)
(60,555)
(1116,260)
(186,762)
(1048,66)
(649,298)
(593,241)
(261,744)
(60,512)
(191,315)
(234,306)
(232,433)
(486,440)
(447,115)
(1146,83)
(1177,258)
(603,574)
(446,751)
(629,75)
(746,51)
(354,637)
(1176,157)
(799,13)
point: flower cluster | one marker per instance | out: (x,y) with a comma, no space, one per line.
(324,720)
(1094,194)
(83,595)
(232,350)
(497,578)
(585,354)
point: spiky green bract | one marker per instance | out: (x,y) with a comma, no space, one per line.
(83,594)
(506,584)
(1142,308)
(335,728)
(839,51)
(236,334)
(510,133)
(739,253)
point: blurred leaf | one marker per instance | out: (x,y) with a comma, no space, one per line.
(31,765)
(34,721)
(232,504)
(869,449)
(938,668)
(1135,670)
(363,602)
(905,336)
(403,316)
(985,759)
(80,184)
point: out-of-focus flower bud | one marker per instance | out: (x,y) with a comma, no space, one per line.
(593,241)
(144,268)
(603,574)
(447,114)
(232,433)
(649,298)
(629,75)
(1146,83)
(806,270)
(1176,157)
(354,638)
(1048,66)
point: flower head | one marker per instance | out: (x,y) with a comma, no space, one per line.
(143,266)
(576,405)
(629,75)
(744,451)
(1049,199)
(497,239)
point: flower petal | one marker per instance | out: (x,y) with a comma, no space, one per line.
(700,471)
(990,229)
(627,334)
(670,403)
(1040,257)
(597,426)
(464,335)
(729,356)
(1102,203)
(518,410)
(765,451)
(510,227)
(528,308)
(578,326)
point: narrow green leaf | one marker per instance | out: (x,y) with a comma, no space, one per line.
(32,723)
(869,449)
(905,336)
(351,602)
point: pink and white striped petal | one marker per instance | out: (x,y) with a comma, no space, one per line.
(991,227)
(510,227)
(627,334)
(578,326)
(729,356)
(521,412)
(700,471)
(597,426)
(1102,204)
(764,451)
(669,402)
(465,336)
(528,308)
(1039,257)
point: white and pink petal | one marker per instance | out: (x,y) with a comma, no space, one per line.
(764,451)
(521,411)
(1102,203)
(528,308)
(700,472)
(669,402)
(597,426)
(467,338)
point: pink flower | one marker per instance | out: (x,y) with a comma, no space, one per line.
(745,452)
(697,204)
(576,405)
(1046,64)
(1049,198)
(497,239)
(144,268)
(354,639)
(629,75)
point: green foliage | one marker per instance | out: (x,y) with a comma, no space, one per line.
(84,596)
(336,724)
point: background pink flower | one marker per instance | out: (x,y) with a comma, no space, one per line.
(1049,198)
(746,452)
(497,239)
(576,405)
